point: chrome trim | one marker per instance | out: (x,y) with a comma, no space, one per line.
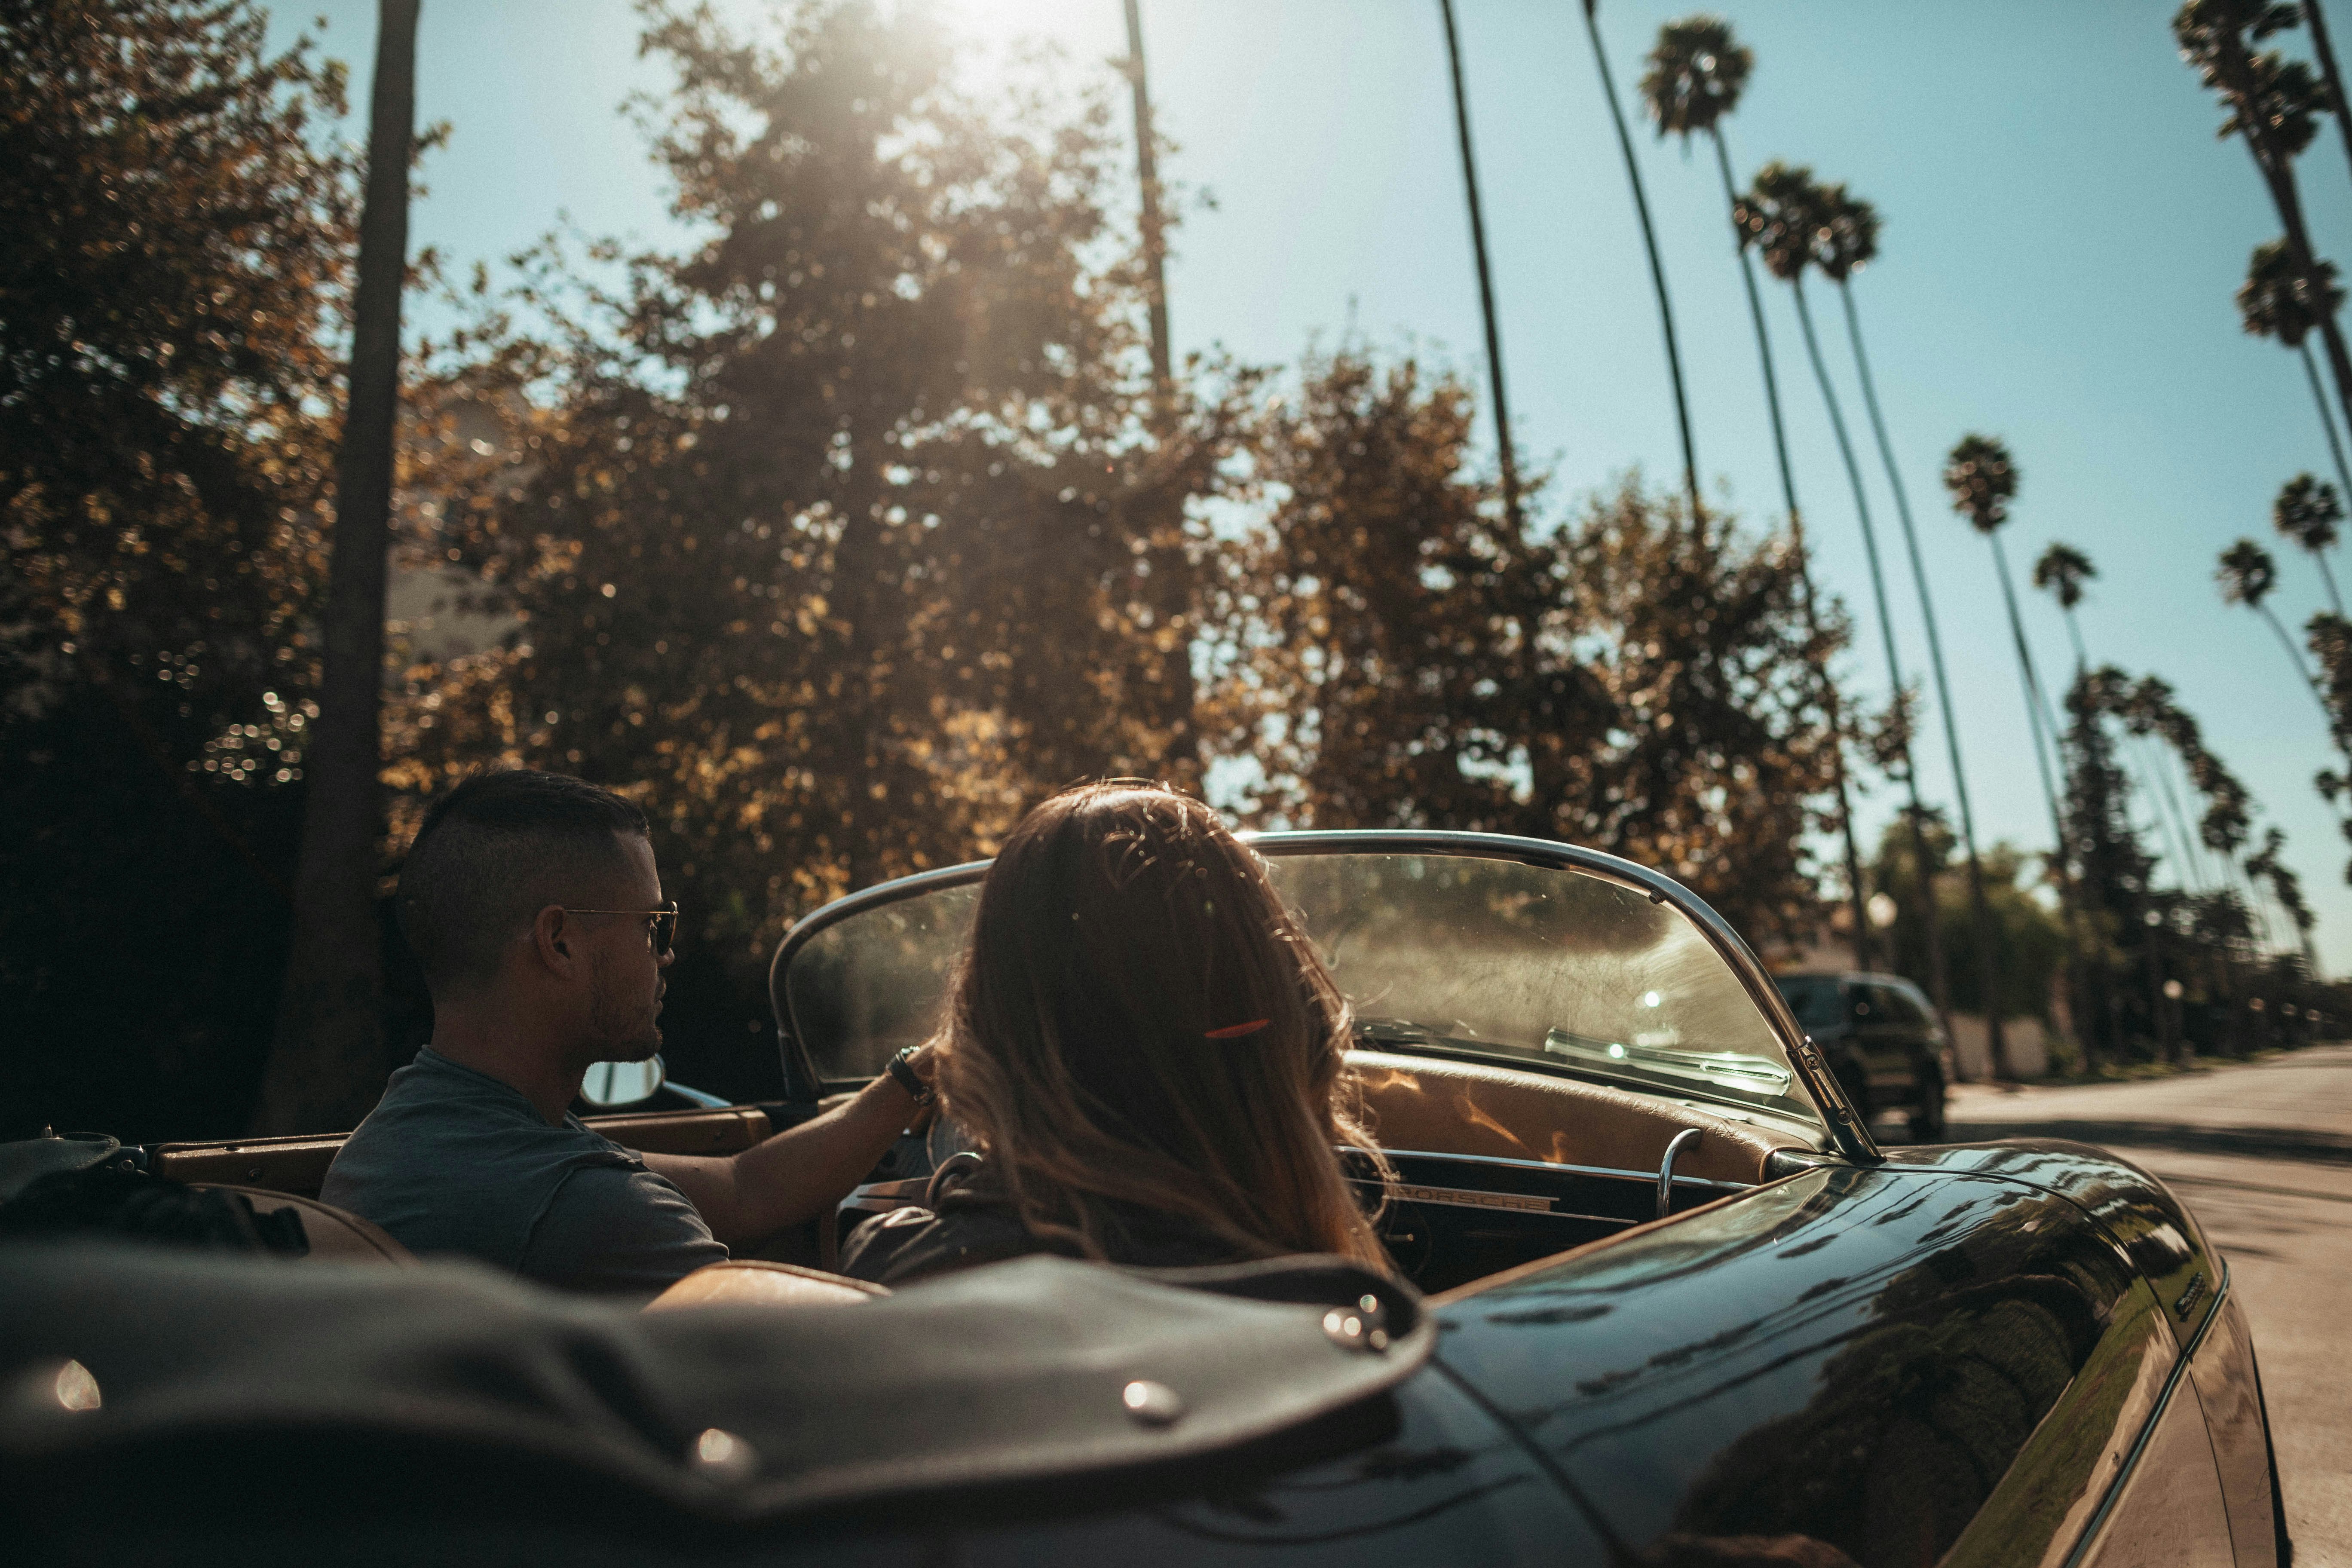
(1509,1163)
(2172,1381)
(1667,1169)
(1846,1128)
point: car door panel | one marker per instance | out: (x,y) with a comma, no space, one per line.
(2230,1391)
(2170,1510)
(1859,1358)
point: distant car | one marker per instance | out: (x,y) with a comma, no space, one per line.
(1676,1309)
(1881,1040)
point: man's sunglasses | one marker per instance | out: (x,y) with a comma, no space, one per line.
(661,933)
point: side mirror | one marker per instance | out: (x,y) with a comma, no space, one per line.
(610,1085)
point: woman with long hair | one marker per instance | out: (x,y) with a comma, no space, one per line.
(1147,1054)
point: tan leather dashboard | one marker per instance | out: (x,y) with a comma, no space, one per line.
(1471,1108)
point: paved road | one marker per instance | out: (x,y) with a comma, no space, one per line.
(2264,1154)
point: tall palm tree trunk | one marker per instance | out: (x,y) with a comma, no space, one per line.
(1485,275)
(1173,586)
(2042,720)
(2326,50)
(2059,860)
(1155,248)
(2326,418)
(2276,167)
(326,1057)
(1989,969)
(2294,657)
(1657,268)
(1832,703)
(2193,857)
(2328,576)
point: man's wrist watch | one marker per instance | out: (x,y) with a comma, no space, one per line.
(902,1070)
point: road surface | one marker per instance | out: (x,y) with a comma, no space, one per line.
(2264,1154)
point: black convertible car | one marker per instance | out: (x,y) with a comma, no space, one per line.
(1669,1304)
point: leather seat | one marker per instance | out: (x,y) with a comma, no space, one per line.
(754,1282)
(337,1235)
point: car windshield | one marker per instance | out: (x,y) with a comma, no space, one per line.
(1447,954)
(1815,1000)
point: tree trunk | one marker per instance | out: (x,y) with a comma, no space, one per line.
(1657,268)
(2326,419)
(1832,702)
(1985,937)
(1155,249)
(326,1063)
(2037,714)
(1935,640)
(2235,70)
(2321,47)
(1485,276)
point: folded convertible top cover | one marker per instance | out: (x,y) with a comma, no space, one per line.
(336,1379)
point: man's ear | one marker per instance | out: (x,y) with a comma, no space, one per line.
(555,943)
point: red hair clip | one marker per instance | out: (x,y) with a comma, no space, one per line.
(1235,1031)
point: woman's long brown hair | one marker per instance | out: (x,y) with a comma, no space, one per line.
(1099,1044)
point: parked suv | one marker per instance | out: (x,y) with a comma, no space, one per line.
(1880,1037)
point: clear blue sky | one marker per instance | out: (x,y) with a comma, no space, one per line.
(2064,232)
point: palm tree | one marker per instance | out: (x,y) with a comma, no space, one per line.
(1695,73)
(326,1055)
(1844,241)
(2321,47)
(1650,240)
(1982,481)
(2061,571)
(2275,104)
(2247,574)
(1155,242)
(2276,301)
(1485,275)
(1779,215)
(2306,511)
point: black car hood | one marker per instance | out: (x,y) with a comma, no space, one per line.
(369,1387)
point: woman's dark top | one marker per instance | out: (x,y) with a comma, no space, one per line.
(972,1226)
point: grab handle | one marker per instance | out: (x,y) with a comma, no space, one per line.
(1666,1168)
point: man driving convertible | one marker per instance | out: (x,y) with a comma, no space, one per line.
(533,904)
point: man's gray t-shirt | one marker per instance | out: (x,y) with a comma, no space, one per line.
(452,1160)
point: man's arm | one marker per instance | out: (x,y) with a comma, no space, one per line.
(800,1173)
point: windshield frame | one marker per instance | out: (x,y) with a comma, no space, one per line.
(1847,1130)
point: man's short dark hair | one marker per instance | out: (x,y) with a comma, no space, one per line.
(495,851)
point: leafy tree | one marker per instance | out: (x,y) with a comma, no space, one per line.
(2033,943)
(1640,680)
(174,227)
(843,534)
(326,1059)
(1693,78)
